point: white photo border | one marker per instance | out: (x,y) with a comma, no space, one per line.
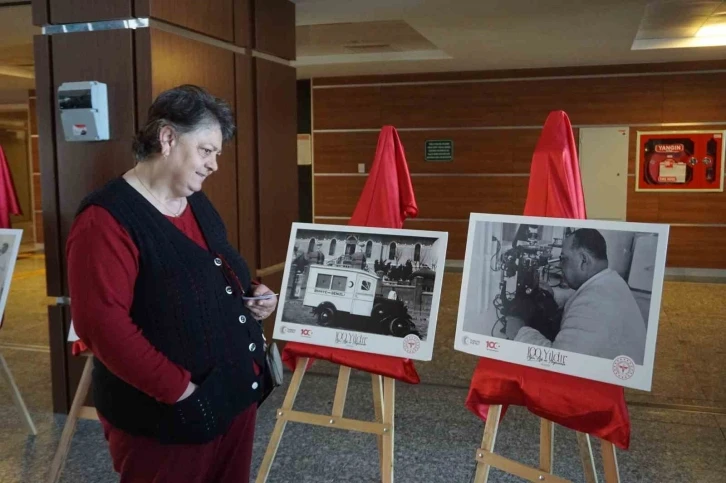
(575,364)
(374,343)
(14,250)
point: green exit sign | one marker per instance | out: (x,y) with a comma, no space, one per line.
(439,150)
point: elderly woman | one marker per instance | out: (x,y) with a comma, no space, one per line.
(162,300)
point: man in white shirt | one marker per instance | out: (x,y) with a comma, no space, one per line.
(601,317)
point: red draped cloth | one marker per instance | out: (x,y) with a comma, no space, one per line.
(386,201)
(8,198)
(555,190)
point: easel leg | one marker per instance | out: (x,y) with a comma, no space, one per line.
(588,463)
(610,462)
(17,397)
(389,396)
(377,383)
(546,445)
(274,443)
(341,391)
(59,460)
(487,443)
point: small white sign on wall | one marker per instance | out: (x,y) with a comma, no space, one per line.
(304,150)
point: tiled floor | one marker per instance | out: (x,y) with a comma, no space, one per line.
(435,434)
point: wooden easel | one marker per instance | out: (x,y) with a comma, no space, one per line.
(383,402)
(78,411)
(17,398)
(486,458)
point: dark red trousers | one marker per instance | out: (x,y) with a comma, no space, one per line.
(227,459)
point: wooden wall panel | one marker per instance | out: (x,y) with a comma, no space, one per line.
(39,224)
(40,12)
(57,337)
(45,96)
(342,152)
(178,60)
(277,158)
(32,115)
(456,198)
(210,17)
(243,28)
(83,167)
(338,195)
(641,207)
(475,151)
(247,196)
(690,207)
(74,11)
(446,105)
(480,104)
(457,230)
(489,124)
(347,108)
(34,214)
(696,247)
(607,100)
(37,201)
(437,197)
(694,98)
(271,18)
(35,153)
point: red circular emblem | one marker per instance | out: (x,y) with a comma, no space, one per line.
(411,344)
(623,367)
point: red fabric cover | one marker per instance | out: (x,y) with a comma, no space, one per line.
(8,198)
(555,187)
(591,407)
(386,201)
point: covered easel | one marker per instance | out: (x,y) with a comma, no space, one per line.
(387,200)
(588,407)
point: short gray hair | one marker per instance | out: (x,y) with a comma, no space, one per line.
(185,108)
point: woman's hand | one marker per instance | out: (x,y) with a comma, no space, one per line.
(262,309)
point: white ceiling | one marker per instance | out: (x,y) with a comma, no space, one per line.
(498,34)
(441,35)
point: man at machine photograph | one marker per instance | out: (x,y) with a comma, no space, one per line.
(582,290)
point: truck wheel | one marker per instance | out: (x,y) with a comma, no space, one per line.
(401,327)
(326,314)
(379,311)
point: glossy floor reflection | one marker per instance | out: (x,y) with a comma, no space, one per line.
(435,436)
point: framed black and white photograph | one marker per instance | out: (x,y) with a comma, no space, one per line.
(373,290)
(9,248)
(580,297)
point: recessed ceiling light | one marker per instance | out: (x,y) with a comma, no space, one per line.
(712,30)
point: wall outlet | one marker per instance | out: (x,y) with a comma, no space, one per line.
(361,167)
